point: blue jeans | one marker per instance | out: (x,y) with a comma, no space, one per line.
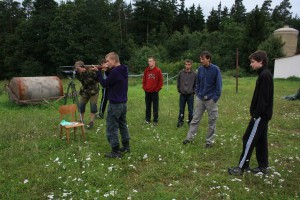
(189,100)
(116,119)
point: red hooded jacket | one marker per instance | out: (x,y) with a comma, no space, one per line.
(152,80)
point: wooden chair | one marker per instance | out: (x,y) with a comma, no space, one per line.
(65,110)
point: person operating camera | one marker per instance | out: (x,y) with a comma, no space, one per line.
(89,91)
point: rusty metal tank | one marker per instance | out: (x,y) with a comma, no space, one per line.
(290,38)
(30,90)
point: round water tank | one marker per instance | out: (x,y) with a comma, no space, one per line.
(35,88)
(290,38)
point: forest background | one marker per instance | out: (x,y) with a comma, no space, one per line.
(39,36)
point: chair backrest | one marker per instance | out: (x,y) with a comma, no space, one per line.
(68,110)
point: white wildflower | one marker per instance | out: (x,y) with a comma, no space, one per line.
(106,195)
(236,179)
(277,173)
(281,180)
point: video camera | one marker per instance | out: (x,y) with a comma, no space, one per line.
(68,71)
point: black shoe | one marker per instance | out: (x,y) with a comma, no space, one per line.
(113,155)
(125,149)
(179,124)
(208,145)
(186,141)
(90,125)
(263,170)
(101,115)
(235,171)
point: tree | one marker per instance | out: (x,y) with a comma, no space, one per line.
(213,21)
(196,19)
(145,18)
(11,16)
(282,12)
(255,31)
(238,11)
(28,8)
(266,8)
(181,18)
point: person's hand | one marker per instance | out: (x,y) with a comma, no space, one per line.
(80,69)
(104,68)
(94,68)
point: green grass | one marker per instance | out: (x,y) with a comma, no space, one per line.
(36,164)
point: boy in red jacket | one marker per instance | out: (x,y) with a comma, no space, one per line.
(152,84)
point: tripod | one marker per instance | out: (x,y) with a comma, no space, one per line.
(72,93)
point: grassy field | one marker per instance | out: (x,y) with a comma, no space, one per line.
(36,164)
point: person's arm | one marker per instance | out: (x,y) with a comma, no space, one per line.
(160,81)
(264,97)
(218,83)
(198,81)
(178,82)
(195,82)
(144,80)
(111,79)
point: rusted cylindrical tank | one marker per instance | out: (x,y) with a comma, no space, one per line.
(290,38)
(34,89)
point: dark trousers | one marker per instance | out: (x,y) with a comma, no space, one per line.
(115,121)
(255,136)
(183,100)
(151,98)
(103,102)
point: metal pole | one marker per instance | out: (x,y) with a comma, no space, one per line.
(167,81)
(237,71)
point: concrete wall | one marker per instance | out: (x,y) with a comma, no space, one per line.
(287,67)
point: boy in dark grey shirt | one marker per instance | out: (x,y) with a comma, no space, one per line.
(186,84)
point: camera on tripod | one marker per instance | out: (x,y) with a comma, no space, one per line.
(68,71)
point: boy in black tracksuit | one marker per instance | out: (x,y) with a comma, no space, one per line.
(261,111)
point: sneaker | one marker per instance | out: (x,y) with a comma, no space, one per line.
(155,123)
(90,125)
(208,145)
(146,122)
(113,155)
(186,141)
(235,171)
(263,170)
(125,149)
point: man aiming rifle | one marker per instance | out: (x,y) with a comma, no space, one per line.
(88,75)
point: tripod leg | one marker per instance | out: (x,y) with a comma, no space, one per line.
(67,94)
(75,100)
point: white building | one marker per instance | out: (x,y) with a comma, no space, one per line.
(287,66)
(290,65)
